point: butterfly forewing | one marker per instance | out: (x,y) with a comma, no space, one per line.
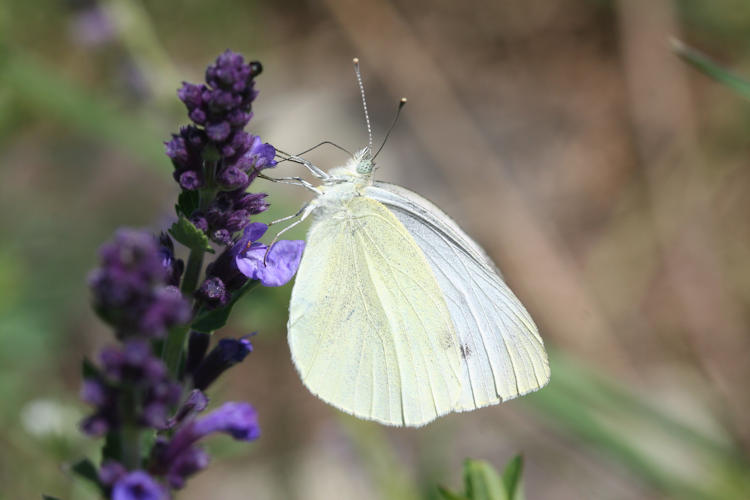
(369,329)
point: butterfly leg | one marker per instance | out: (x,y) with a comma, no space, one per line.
(316,171)
(305,211)
(283,219)
(295,181)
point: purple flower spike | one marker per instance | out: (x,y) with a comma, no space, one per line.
(215,154)
(149,381)
(281,263)
(138,485)
(130,289)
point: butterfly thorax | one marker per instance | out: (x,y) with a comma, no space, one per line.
(344,184)
(357,170)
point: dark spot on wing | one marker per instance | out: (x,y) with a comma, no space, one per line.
(466,351)
(446,340)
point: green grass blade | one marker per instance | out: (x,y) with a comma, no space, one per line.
(482,481)
(512,478)
(44,92)
(707,66)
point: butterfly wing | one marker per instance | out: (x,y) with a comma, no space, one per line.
(502,353)
(369,329)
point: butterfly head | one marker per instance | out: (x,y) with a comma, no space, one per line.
(364,161)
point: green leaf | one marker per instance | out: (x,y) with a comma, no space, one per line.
(47,497)
(186,233)
(449,495)
(148,438)
(87,470)
(705,65)
(112,446)
(482,481)
(512,478)
(210,321)
(89,370)
(187,203)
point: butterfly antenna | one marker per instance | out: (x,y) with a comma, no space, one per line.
(401,104)
(364,101)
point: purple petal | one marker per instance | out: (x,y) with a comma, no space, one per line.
(110,472)
(227,353)
(186,464)
(237,419)
(250,261)
(252,232)
(138,485)
(196,402)
(281,263)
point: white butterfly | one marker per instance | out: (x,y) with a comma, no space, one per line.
(396,314)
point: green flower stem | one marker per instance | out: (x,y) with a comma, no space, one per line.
(175,342)
(172,353)
(130,433)
(130,436)
(192,273)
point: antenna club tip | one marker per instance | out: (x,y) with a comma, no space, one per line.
(355,60)
(403,100)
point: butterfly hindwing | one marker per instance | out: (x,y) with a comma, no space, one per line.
(502,353)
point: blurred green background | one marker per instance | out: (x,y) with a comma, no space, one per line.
(607,178)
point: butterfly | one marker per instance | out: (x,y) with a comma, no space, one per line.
(396,314)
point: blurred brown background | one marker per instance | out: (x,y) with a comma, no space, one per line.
(608,179)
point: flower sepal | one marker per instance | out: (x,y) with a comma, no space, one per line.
(85,469)
(210,154)
(193,238)
(187,203)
